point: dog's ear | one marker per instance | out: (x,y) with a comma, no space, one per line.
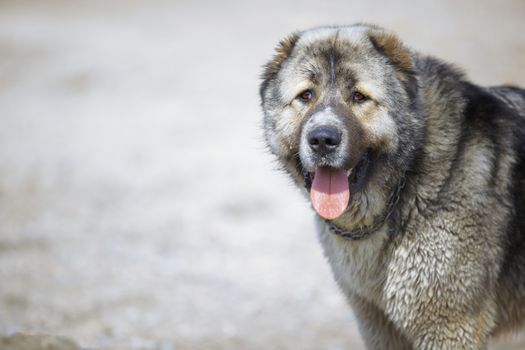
(282,52)
(389,45)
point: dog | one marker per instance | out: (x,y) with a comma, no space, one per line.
(417,179)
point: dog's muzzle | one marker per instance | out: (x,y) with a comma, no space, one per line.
(332,159)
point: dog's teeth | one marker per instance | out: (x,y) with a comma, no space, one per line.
(348,172)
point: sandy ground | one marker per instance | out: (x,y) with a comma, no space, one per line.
(138,208)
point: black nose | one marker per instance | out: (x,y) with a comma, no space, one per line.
(324,139)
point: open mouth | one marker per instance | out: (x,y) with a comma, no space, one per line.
(330,188)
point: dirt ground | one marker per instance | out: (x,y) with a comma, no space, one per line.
(138,207)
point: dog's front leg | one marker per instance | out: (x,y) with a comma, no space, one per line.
(430,327)
(378,332)
(453,336)
(440,291)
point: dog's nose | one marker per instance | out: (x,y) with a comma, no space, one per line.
(324,139)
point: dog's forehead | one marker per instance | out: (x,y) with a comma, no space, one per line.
(327,54)
(322,49)
(354,34)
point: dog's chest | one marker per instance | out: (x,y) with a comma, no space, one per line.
(358,266)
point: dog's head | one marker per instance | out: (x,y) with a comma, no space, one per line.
(340,112)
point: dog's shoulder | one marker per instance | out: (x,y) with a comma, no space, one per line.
(512,96)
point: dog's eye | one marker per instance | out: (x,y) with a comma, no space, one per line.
(358,97)
(305,96)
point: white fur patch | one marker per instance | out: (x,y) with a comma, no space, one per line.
(323,117)
(355,265)
(382,127)
(370,89)
(316,34)
(354,33)
(287,125)
(293,86)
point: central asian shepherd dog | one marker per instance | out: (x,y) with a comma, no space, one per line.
(417,178)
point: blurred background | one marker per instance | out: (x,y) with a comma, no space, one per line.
(138,206)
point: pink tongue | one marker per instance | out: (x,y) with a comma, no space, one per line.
(330,193)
